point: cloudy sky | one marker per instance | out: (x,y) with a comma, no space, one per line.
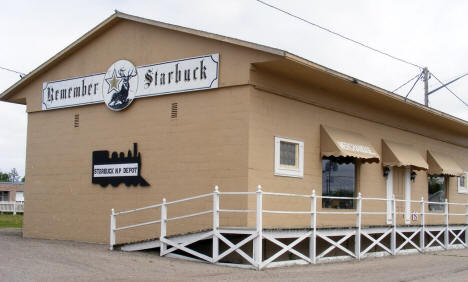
(427,33)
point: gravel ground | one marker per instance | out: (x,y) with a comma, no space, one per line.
(47,260)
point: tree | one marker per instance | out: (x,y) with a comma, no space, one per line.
(23,179)
(13,175)
(4,177)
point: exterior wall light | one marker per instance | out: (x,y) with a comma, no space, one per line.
(413,176)
(386,171)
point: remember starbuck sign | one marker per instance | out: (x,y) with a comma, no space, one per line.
(124,82)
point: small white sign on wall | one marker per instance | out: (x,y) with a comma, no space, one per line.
(462,183)
(116,170)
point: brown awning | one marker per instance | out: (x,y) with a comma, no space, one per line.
(443,164)
(342,143)
(397,154)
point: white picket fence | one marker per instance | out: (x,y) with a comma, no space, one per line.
(442,236)
(13,207)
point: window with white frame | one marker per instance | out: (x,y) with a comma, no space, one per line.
(289,157)
(462,183)
(19,196)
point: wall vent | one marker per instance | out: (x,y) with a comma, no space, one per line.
(77,120)
(174,110)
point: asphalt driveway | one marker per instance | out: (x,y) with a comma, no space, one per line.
(46,260)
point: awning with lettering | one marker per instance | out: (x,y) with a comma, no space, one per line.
(398,154)
(443,164)
(342,143)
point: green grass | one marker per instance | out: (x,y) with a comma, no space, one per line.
(11,221)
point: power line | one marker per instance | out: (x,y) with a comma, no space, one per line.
(446,87)
(419,77)
(339,35)
(20,73)
(398,88)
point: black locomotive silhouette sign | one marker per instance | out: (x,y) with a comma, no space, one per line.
(117,168)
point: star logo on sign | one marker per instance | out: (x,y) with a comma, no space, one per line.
(113,82)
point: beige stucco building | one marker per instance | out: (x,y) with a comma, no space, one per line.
(274,119)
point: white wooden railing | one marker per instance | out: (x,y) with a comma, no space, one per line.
(13,207)
(312,232)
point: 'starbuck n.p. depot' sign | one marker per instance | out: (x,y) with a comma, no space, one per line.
(124,82)
(117,168)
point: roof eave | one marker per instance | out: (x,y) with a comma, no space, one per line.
(205,34)
(372,87)
(115,18)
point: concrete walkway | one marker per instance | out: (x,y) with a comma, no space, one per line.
(45,260)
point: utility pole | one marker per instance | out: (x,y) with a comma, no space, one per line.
(426,86)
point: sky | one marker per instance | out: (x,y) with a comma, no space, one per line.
(428,33)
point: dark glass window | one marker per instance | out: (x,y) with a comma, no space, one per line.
(288,154)
(437,191)
(338,180)
(4,196)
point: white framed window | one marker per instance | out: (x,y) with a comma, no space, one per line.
(289,157)
(462,183)
(19,196)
